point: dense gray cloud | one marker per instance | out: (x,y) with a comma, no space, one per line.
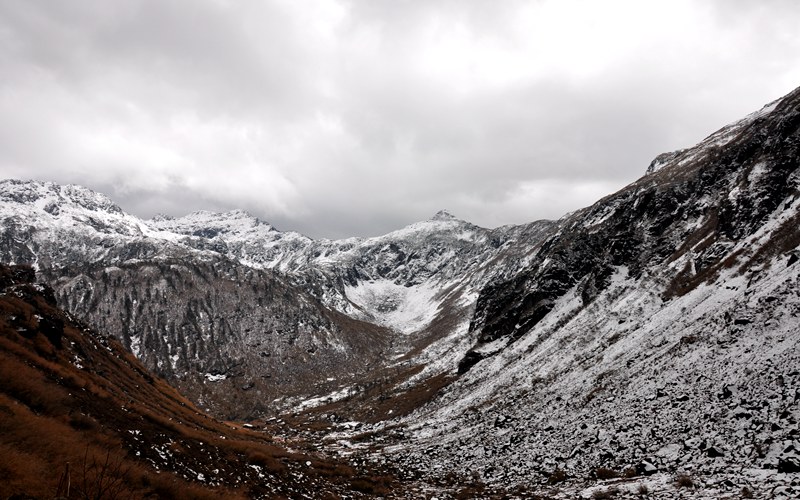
(339,118)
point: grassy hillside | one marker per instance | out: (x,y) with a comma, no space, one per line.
(81,418)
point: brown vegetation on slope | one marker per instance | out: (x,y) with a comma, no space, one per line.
(81,418)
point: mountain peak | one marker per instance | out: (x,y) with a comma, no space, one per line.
(162,217)
(54,195)
(443,215)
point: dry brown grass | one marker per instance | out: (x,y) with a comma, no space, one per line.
(29,387)
(373,485)
(380,401)
(604,473)
(557,476)
(684,481)
(53,413)
(23,472)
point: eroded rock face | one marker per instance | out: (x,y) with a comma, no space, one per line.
(693,209)
(19,282)
(212,328)
(239,314)
(655,331)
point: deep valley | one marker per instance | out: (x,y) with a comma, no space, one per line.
(645,346)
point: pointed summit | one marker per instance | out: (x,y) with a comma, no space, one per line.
(443,215)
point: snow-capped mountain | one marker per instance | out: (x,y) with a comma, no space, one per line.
(363,277)
(654,333)
(53,226)
(237,313)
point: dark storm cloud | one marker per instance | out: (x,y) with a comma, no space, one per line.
(340,118)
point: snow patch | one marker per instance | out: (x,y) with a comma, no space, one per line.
(136,346)
(406,309)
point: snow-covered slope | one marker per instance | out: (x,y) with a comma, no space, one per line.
(657,331)
(51,226)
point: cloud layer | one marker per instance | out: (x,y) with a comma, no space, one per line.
(340,118)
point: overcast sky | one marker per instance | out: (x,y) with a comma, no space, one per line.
(341,118)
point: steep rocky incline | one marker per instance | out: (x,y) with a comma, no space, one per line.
(234,339)
(80,417)
(679,223)
(654,334)
(238,313)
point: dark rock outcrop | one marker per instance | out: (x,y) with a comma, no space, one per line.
(700,202)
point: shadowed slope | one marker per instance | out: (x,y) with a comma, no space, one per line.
(71,396)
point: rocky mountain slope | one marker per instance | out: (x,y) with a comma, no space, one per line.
(233,338)
(80,417)
(246,319)
(648,342)
(654,333)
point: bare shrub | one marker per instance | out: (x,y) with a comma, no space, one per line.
(684,481)
(558,476)
(102,478)
(605,473)
(28,386)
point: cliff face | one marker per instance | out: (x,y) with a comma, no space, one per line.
(231,338)
(681,224)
